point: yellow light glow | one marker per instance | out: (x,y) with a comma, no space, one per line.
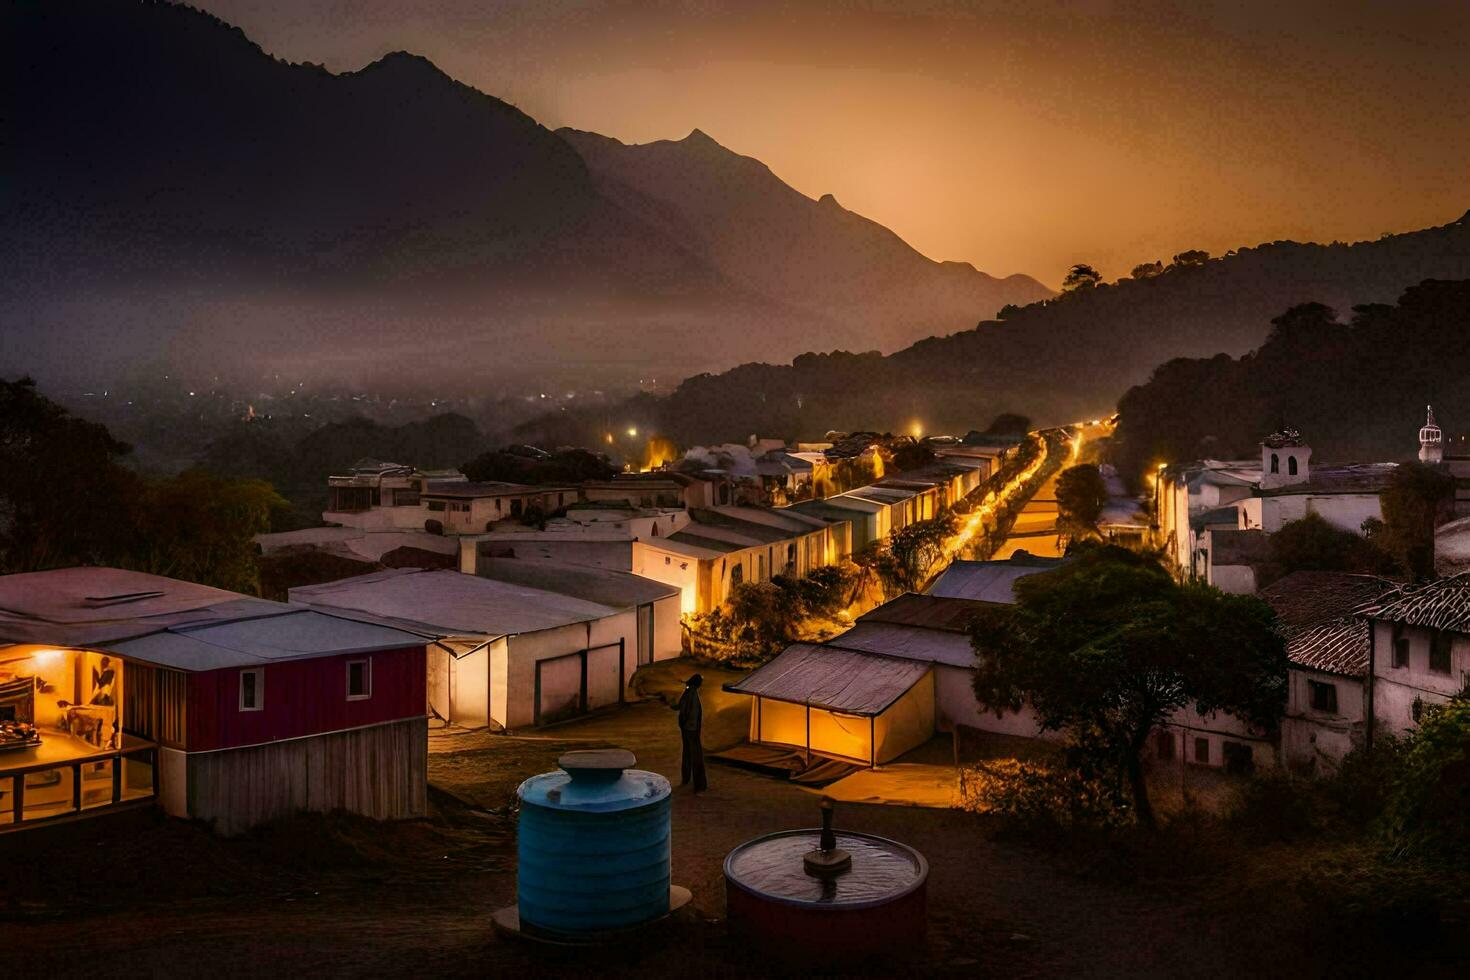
(633,431)
(608,438)
(917,429)
(46,658)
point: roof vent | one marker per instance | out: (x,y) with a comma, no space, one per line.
(120,598)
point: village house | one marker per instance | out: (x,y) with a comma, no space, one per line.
(1200,506)
(378,496)
(1418,650)
(598,533)
(119,688)
(505,655)
(722,547)
(471,508)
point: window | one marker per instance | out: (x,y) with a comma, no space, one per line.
(1291,465)
(460,508)
(252,690)
(1165,746)
(1439,652)
(1275,463)
(1400,646)
(436,505)
(737,575)
(1323,696)
(1202,751)
(359,680)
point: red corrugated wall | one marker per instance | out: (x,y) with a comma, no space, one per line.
(303,697)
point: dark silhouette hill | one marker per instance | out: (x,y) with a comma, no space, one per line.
(813,255)
(170,189)
(1056,361)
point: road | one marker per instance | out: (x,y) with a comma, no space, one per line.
(1035,529)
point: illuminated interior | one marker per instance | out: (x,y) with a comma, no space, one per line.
(61,732)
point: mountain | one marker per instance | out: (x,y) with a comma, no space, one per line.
(1056,361)
(173,193)
(812,255)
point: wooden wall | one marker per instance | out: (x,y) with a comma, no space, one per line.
(304,697)
(380,772)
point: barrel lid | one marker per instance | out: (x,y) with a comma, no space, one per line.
(595,780)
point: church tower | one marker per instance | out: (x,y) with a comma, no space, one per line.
(1431,441)
(1285,459)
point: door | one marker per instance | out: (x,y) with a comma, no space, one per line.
(645,635)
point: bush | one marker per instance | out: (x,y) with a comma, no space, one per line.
(1277,806)
(1426,813)
(1032,796)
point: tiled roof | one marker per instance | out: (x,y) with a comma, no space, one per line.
(1443,604)
(1310,598)
(1339,646)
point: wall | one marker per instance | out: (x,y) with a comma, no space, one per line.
(304,697)
(1344,510)
(1234,579)
(1187,725)
(379,771)
(1317,740)
(670,568)
(668,635)
(1396,688)
(527,648)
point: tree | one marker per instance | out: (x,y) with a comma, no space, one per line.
(1147,270)
(763,616)
(1412,504)
(1312,544)
(916,548)
(1107,647)
(1080,276)
(62,484)
(1191,258)
(910,456)
(1008,311)
(1430,789)
(1081,496)
(1008,424)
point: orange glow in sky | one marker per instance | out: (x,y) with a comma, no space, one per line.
(1021,137)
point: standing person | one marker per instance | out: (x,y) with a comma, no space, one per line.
(691,719)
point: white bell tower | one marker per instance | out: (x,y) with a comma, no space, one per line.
(1285,459)
(1431,440)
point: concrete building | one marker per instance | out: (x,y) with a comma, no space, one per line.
(378,496)
(473,508)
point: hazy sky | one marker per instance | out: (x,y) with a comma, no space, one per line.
(1018,136)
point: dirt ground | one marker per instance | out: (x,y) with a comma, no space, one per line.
(139,894)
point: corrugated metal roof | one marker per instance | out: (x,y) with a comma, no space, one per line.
(603,586)
(909,643)
(297,634)
(929,611)
(445,603)
(989,581)
(838,680)
(1442,605)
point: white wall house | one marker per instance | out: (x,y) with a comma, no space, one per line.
(378,496)
(1420,650)
(500,655)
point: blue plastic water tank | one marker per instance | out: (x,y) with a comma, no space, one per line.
(594,845)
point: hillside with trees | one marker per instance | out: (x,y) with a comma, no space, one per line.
(1355,387)
(1058,360)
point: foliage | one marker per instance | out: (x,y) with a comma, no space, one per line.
(763,617)
(825,589)
(1191,257)
(910,455)
(1412,505)
(1147,270)
(916,548)
(1081,496)
(67,499)
(1312,544)
(1080,276)
(1425,815)
(1008,424)
(201,528)
(1034,796)
(1306,374)
(61,484)
(1108,646)
(1007,311)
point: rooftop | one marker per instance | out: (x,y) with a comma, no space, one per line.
(446,603)
(1338,646)
(1310,598)
(1443,604)
(990,581)
(906,642)
(174,624)
(600,585)
(1340,478)
(928,611)
(848,681)
(468,490)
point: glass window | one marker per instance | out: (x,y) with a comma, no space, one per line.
(1439,652)
(1323,695)
(252,689)
(1202,750)
(359,680)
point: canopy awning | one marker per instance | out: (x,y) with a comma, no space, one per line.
(847,681)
